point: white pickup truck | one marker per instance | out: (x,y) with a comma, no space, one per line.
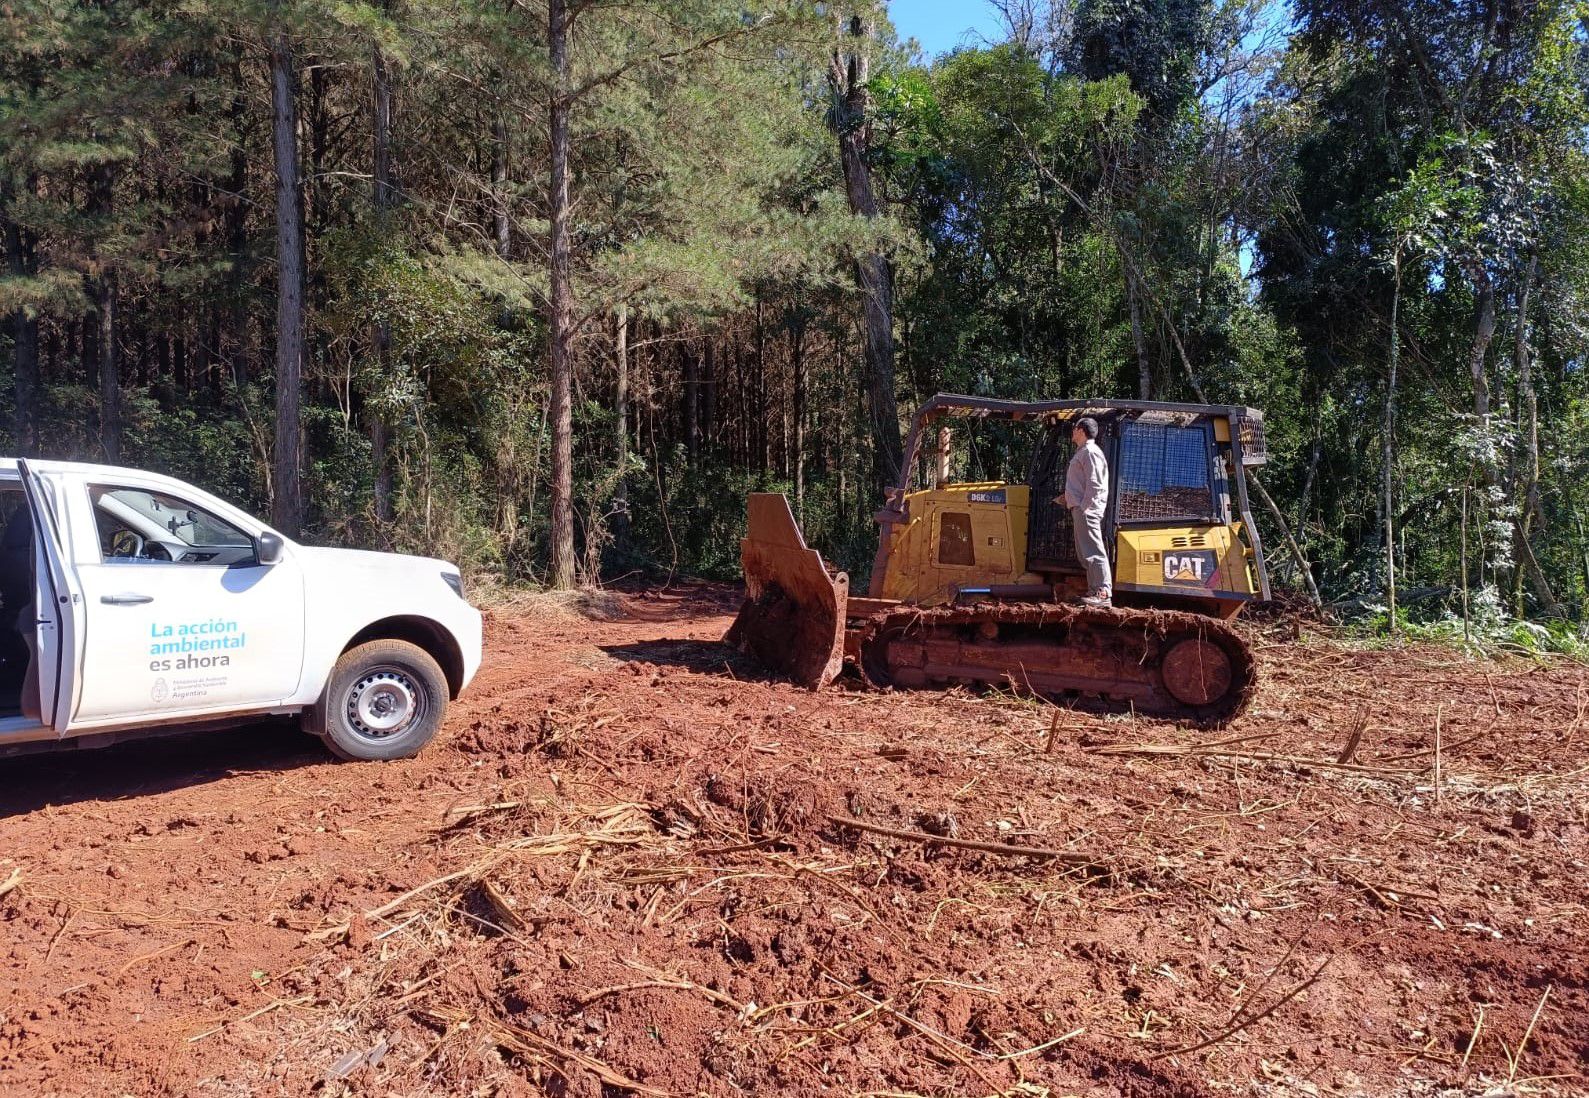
(131,602)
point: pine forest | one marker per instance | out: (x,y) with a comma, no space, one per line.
(548,286)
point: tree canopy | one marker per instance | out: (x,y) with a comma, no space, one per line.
(546,287)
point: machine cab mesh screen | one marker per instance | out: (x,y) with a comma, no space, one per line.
(1166,473)
(1254,447)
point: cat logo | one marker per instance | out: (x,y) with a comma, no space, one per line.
(1190,568)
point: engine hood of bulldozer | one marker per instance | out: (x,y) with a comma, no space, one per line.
(956,536)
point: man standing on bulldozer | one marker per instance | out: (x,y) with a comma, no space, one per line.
(1087,496)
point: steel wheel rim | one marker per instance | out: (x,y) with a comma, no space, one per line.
(385,702)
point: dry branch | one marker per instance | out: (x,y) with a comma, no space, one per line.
(1203,751)
(659,979)
(1515,1059)
(1046,1045)
(500,906)
(1355,737)
(958,1050)
(1231,1031)
(521,1041)
(266,1009)
(136,961)
(1086,861)
(388,908)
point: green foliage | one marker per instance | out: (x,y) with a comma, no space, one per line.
(1156,43)
(1144,199)
(1489,632)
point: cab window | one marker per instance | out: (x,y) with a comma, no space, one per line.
(1166,473)
(954,539)
(138,526)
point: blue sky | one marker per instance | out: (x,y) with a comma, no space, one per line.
(941,25)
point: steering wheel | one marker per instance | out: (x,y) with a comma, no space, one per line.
(126,544)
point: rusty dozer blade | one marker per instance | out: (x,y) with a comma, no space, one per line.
(793,617)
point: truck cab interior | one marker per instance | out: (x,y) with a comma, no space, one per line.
(16,599)
(138,526)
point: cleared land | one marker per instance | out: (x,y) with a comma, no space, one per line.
(629,866)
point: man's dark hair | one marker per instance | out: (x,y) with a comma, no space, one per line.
(1087,426)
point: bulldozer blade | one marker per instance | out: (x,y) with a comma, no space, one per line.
(793,617)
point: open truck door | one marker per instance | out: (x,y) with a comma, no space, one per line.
(54,680)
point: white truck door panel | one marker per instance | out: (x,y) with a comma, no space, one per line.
(58,603)
(167,633)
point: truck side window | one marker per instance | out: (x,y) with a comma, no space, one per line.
(954,539)
(138,526)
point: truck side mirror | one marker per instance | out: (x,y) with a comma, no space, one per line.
(268,548)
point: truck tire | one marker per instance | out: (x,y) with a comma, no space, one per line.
(384,700)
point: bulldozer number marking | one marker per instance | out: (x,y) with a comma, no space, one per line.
(1195,568)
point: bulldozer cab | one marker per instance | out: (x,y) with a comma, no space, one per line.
(1163,468)
(1178,521)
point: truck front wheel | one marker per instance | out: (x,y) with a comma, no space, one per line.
(385,700)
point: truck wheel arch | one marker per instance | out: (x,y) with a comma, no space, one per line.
(423,633)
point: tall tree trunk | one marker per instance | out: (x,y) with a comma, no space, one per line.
(1389,441)
(384,196)
(691,386)
(1467,617)
(106,365)
(501,227)
(1139,340)
(620,401)
(1583,558)
(1483,332)
(709,398)
(287,497)
(562,307)
(109,368)
(1533,508)
(763,437)
(1304,502)
(1523,358)
(849,77)
(237,233)
(381,108)
(24,335)
(797,351)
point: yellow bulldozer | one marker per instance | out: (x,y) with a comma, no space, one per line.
(979,583)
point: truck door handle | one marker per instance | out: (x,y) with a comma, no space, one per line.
(125,600)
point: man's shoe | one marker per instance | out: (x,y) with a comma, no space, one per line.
(1098,602)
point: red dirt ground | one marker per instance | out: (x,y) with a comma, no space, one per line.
(615,872)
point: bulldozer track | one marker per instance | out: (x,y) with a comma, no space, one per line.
(1163,663)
